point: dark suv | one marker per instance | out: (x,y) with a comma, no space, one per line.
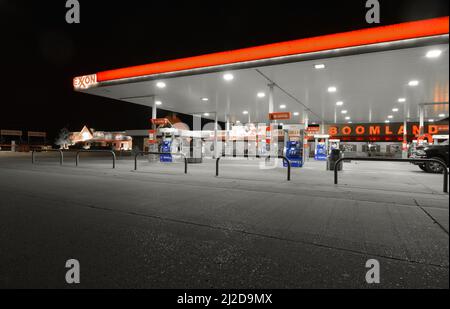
(439,152)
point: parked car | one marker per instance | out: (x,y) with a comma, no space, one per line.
(439,152)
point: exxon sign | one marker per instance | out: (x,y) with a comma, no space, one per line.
(84,82)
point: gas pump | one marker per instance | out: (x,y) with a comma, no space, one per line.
(334,144)
(166,146)
(170,142)
(167,136)
(321,147)
(293,150)
(157,138)
(294,153)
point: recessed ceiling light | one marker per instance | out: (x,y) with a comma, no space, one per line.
(348,118)
(402,100)
(350,122)
(387,121)
(431,120)
(390,117)
(339,103)
(314,123)
(395,110)
(332,89)
(435,53)
(261,95)
(344,112)
(205,99)
(228,77)
(206,114)
(441,115)
(282,106)
(319,66)
(296,114)
(161,85)
(413,83)
(158,102)
(245,112)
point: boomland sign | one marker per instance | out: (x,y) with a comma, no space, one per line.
(383,131)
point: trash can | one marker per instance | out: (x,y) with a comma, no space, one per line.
(334,156)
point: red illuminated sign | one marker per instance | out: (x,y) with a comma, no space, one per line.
(435,129)
(312,130)
(280,116)
(387,131)
(160,121)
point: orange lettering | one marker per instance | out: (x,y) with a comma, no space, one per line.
(374,130)
(416,130)
(388,131)
(346,130)
(360,130)
(401,131)
(333,131)
(433,129)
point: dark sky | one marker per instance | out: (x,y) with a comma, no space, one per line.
(41,53)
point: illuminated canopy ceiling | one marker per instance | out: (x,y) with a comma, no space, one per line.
(373,83)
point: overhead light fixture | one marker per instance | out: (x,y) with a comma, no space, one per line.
(245,112)
(261,95)
(206,114)
(158,102)
(339,103)
(161,85)
(395,110)
(387,121)
(348,118)
(332,89)
(296,114)
(350,122)
(430,120)
(402,100)
(319,66)
(205,99)
(228,77)
(441,115)
(283,106)
(344,112)
(413,83)
(390,117)
(435,53)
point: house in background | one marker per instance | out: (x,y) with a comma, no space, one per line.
(90,139)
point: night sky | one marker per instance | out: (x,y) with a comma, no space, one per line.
(41,53)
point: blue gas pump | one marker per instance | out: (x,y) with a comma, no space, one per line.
(294,153)
(321,152)
(166,147)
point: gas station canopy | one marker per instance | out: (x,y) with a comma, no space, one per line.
(367,76)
